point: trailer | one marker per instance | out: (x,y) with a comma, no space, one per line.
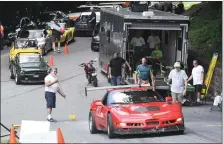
(118,26)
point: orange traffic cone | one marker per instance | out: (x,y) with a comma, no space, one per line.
(60,137)
(51,63)
(12,139)
(65,49)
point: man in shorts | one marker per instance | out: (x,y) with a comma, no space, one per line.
(179,83)
(56,35)
(143,72)
(51,88)
(198,78)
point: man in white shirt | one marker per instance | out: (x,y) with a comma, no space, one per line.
(153,40)
(137,41)
(51,88)
(179,83)
(198,77)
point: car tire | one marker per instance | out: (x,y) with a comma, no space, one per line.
(181,132)
(44,51)
(110,127)
(73,38)
(92,47)
(17,79)
(11,74)
(95,83)
(91,123)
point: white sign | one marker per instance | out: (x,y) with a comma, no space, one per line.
(33,127)
(46,137)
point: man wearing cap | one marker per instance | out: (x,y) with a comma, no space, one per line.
(51,88)
(179,83)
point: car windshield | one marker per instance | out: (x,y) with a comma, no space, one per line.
(32,34)
(85,18)
(134,97)
(24,43)
(35,58)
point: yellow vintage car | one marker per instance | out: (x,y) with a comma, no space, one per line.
(24,45)
(68,35)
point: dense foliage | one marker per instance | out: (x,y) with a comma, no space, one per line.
(205,31)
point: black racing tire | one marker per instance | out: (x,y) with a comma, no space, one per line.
(91,123)
(110,127)
(17,79)
(180,132)
(73,37)
(11,74)
(95,83)
(44,51)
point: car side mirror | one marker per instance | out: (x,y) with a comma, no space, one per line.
(169,99)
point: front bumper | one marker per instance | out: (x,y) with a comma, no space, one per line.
(126,131)
(32,78)
(95,45)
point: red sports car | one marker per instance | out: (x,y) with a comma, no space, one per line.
(136,110)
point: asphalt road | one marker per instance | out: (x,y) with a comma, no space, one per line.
(27,102)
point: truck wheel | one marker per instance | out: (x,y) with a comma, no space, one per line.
(92,125)
(17,79)
(110,127)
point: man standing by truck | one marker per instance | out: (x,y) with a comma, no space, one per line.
(115,69)
(153,40)
(137,40)
(198,78)
(143,71)
(179,83)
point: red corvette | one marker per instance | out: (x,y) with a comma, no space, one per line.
(135,110)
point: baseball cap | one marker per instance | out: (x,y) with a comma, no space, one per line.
(177,65)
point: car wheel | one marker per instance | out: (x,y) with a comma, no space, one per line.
(92,126)
(110,128)
(181,132)
(92,47)
(11,74)
(73,38)
(95,83)
(44,51)
(17,79)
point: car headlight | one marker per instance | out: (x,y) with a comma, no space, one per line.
(179,119)
(22,72)
(122,124)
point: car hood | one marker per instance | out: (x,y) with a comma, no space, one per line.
(34,67)
(152,110)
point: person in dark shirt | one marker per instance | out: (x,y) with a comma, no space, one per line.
(93,18)
(115,69)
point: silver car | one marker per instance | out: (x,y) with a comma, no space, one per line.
(43,39)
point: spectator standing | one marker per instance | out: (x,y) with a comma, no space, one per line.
(51,88)
(115,69)
(93,19)
(153,40)
(137,40)
(198,77)
(179,83)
